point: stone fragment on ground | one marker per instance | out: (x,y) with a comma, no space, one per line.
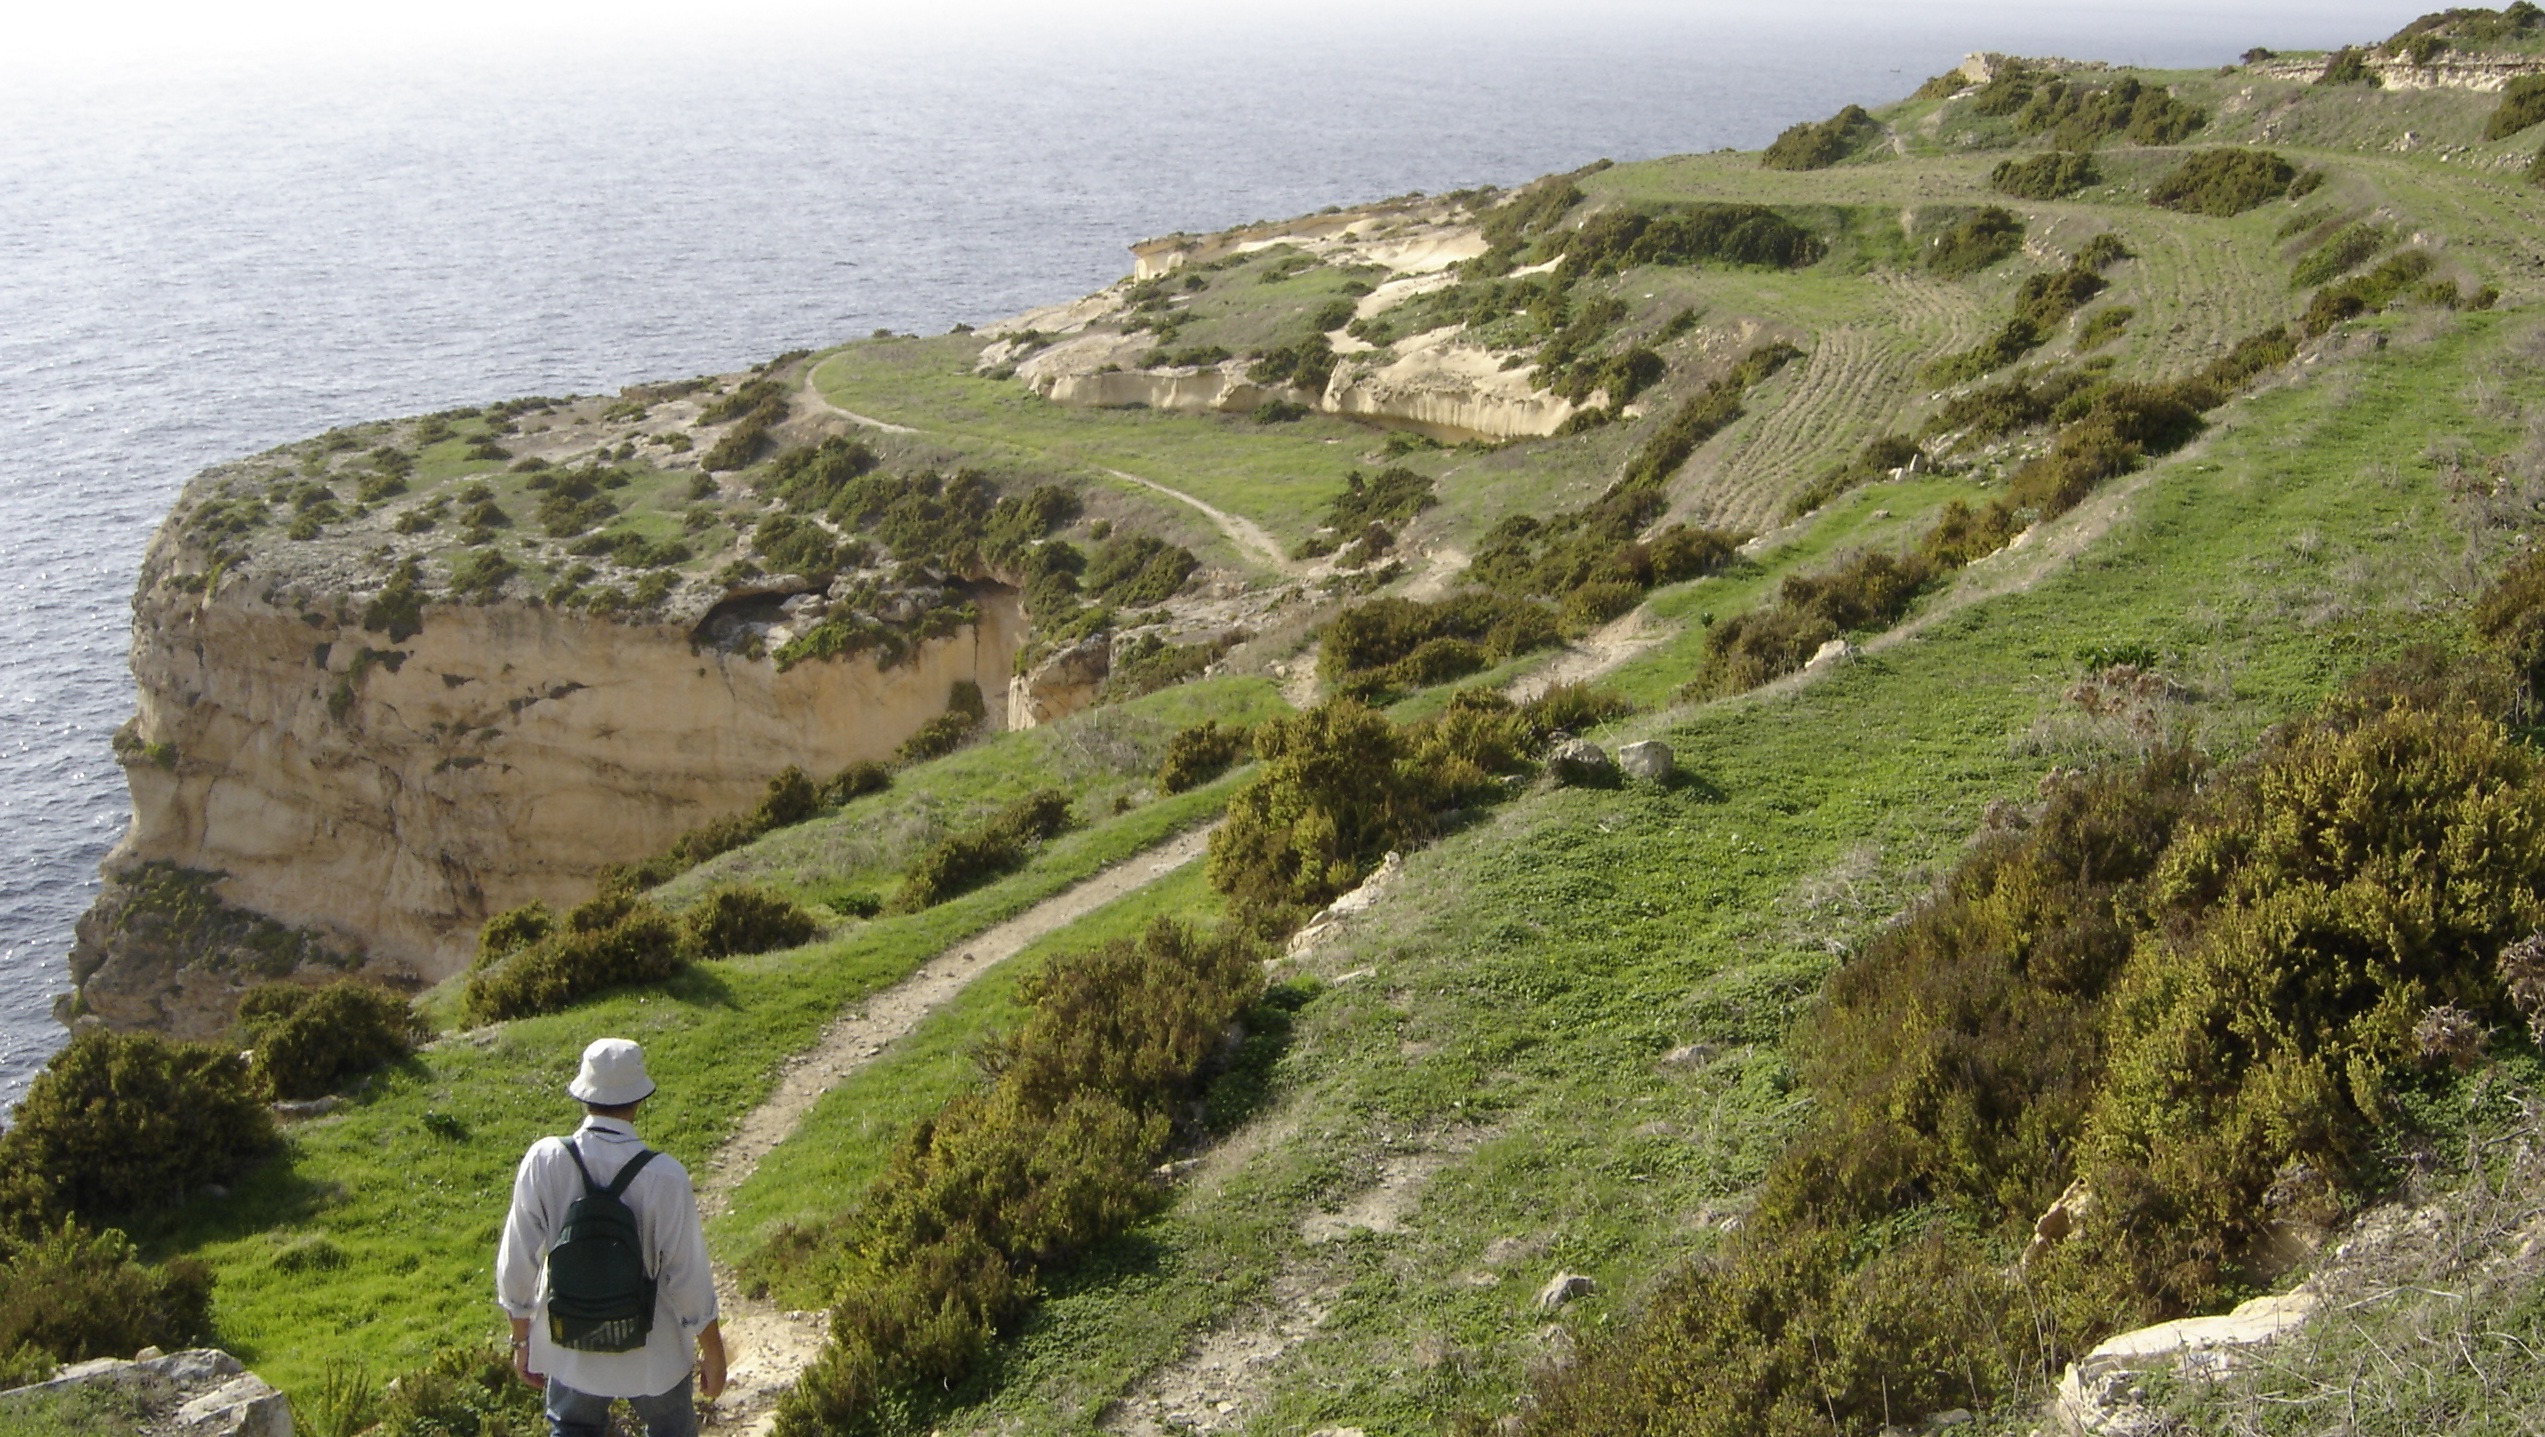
(1650,760)
(1580,762)
(2101,1394)
(1563,1288)
(202,1392)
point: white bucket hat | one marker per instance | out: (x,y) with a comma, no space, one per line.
(613,1074)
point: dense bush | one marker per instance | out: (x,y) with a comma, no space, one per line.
(1613,240)
(1400,643)
(2079,116)
(1006,1184)
(460,1392)
(1975,242)
(2365,293)
(309,1042)
(946,732)
(1390,496)
(612,942)
(2221,183)
(2347,66)
(1875,461)
(2103,326)
(976,855)
(1203,752)
(2347,249)
(130,1122)
(791,798)
(738,918)
(1816,145)
(810,478)
(2043,303)
(69,1294)
(2193,994)
(1702,417)
(756,407)
(2055,175)
(1340,786)
(1869,590)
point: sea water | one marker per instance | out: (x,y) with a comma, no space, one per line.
(199,261)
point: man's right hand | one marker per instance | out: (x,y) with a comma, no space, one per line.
(711,1361)
(536,1382)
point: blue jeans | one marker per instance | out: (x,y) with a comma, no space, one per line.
(580,1414)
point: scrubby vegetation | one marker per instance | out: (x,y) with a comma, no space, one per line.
(1816,145)
(737,918)
(976,855)
(309,1042)
(1341,786)
(2341,252)
(1875,461)
(2043,303)
(1201,753)
(2522,105)
(1975,242)
(2051,176)
(1016,1179)
(2223,183)
(531,962)
(2165,1002)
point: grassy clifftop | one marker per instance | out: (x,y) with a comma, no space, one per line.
(1563,1041)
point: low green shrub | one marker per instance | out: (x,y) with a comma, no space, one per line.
(69,1294)
(1612,241)
(1867,591)
(1009,1183)
(970,858)
(1340,786)
(2348,66)
(755,407)
(1148,663)
(790,799)
(460,1392)
(2078,116)
(739,918)
(2055,175)
(1816,145)
(2043,303)
(946,732)
(2104,326)
(1196,755)
(2365,293)
(310,1042)
(615,941)
(1975,242)
(2345,250)
(123,1123)
(1875,461)
(1396,642)
(2222,183)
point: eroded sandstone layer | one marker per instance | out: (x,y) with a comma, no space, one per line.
(389,790)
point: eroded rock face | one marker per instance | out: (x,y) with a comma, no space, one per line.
(1061,684)
(203,1392)
(388,794)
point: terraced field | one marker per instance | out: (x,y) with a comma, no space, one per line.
(1559,1043)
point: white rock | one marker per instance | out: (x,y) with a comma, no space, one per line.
(1651,759)
(1563,1288)
(244,1406)
(1580,761)
(1836,651)
(2094,1394)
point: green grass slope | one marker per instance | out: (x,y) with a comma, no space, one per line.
(1559,1043)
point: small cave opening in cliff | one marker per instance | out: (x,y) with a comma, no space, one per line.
(738,618)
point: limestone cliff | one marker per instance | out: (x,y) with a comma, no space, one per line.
(391,789)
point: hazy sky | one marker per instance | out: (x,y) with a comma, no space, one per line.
(97,38)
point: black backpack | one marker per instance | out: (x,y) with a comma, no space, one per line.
(600,1298)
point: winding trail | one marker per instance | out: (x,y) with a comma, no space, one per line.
(812,394)
(770,1346)
(1245,533)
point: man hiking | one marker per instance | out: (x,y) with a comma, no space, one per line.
(603,1267)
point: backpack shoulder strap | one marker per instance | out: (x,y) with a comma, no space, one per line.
(589,1186)
(618,1185)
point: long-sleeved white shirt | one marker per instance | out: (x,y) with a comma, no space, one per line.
(675,1253)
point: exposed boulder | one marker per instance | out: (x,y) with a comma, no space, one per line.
(203,1392)
(1360,900)
(1062,684)
(1830,655)
(1651,760)
(2099,1396)
(1563,1288)
(1581,763)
